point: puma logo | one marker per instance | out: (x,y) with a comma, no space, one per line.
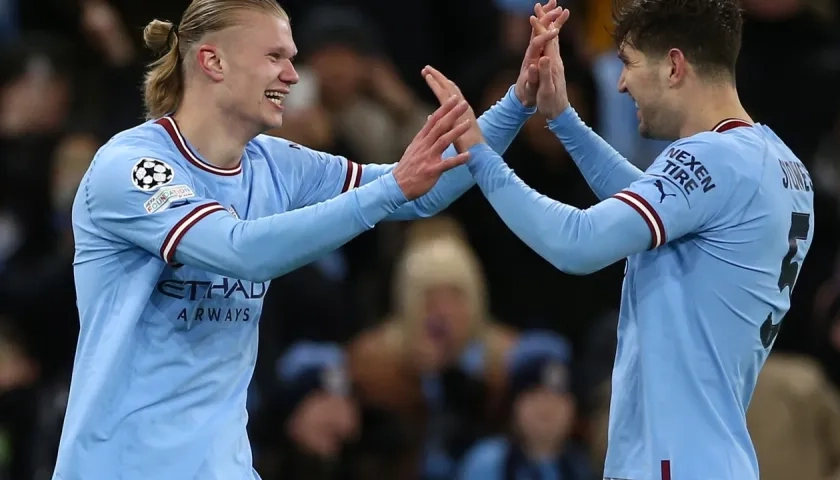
(662,193)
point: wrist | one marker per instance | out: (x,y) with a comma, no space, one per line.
(562,119)
(519,100)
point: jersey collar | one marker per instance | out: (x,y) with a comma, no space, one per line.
(729,124)
(171,126)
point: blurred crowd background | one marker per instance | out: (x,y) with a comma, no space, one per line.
(438,349)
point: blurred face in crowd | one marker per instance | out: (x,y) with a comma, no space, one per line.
(252,65)
(72,159)
(445,326)
(646,79)
(323,423)
(543,418)
(35,102)
(341,72)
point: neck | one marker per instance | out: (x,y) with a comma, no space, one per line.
(709,106)
(217,137)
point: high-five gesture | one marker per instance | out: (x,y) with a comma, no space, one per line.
(552,97)
(548,23)
(422,164)
(444,88)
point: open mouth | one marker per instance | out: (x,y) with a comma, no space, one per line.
(275,96)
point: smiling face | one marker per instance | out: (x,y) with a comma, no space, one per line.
(255,70)
(646,80)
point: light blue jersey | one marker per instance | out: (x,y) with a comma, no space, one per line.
(714,233)
(173,259)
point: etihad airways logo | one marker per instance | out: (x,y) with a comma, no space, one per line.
(227,299)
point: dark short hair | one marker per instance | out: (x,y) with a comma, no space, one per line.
(708,32)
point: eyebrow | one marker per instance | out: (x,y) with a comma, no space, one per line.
(283,51)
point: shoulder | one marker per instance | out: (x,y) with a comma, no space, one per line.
(708,160)
(139,159)
(281,150)
(708,148)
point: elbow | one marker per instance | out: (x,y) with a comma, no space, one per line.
(574,258)
(260,277)
(252,271)
(574,266)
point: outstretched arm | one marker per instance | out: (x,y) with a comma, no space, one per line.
(682,192)
(499,126)
(604,169)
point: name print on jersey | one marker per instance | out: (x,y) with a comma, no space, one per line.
(795,177)
(687,172)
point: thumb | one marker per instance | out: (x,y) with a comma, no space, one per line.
(533,76)
(545,73)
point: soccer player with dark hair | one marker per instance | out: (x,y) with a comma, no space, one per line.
(714,234)
(180,223)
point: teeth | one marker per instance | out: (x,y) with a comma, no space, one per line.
(275,96)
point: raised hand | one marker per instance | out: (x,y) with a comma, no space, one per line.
(422,164)
(552,97)
(528,80)
(444,88)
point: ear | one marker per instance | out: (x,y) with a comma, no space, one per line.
(210,62)
(677,65)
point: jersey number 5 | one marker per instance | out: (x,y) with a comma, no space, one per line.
(799,226)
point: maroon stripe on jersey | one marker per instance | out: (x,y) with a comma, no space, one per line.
(173,238)
(665,466)
(171,127)
(729,124)
(353,176)
(358,176)
(649,215)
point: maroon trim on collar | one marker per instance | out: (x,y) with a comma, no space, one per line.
(729,124)
(168,123)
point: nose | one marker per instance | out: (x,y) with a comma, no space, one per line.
(288,74)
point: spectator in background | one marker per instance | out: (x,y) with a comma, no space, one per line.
(349,95)
(39,135)
(307,417)
(436,365)
(538,446)
(794,420)
(351,101)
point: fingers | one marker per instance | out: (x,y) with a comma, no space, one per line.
(533,75)
(545,74)
(552,47)
(435,118)
(445,123)
(449,85)
(449,137)
(541,10)
(438,89)
(562,18)
(543,37)
(453,162)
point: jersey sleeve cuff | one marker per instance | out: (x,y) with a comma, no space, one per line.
(512,100)
(649,215)
(353,176)
(177,232)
